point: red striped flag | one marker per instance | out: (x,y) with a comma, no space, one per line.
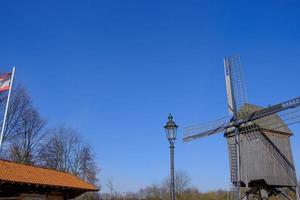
(5,82)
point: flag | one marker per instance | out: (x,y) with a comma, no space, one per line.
(5,82)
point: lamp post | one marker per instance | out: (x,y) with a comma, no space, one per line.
(171,132)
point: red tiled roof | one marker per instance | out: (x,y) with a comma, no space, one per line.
(28,174)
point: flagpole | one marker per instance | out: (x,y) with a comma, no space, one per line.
(7,104)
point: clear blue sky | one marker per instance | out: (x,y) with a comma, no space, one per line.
(115,69)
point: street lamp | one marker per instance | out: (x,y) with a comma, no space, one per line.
(171,132)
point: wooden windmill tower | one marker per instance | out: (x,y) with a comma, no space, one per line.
(258,140)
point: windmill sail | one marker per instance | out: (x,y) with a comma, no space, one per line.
(236,95)
(206,129)
(273,121)
(281,107)
(231,105)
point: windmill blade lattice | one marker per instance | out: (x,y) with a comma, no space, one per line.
(278,122)
(206,129)
(236,94)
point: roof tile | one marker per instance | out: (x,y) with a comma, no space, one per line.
(14,172)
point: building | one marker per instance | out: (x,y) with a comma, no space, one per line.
(265,152)
(27,182)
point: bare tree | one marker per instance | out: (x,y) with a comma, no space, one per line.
(182,182)
(56,152)
(153,192)
(65,150)
(131,196)
(110,186)
(19,103)
(25,145)
(88,168)
(23,131)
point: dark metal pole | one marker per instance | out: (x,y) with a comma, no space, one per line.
(172,185)
(171,130)
(238,173)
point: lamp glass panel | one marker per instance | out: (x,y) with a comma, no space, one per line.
(172,133)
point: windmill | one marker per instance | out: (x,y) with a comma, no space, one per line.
(258,140)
